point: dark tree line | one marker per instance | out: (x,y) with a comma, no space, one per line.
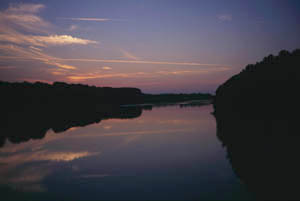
(61,93)
(267,86)
(257,114)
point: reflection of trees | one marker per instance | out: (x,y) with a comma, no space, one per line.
(33,123)
(256,113)
(264,154)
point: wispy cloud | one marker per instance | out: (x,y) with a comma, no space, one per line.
(73,27)
(46,156)
(143,62)
(62,40)
(23,17)
(124,61)
(44,41)
(128,55)
(27,8)
(63,156)
(56,59)
(87,19)
(88,76)
(29,178)
(225,17)
(106,68)
(23,33)
(30,53)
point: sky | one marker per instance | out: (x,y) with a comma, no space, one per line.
(159,46)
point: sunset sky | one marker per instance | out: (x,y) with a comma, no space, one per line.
(158,46)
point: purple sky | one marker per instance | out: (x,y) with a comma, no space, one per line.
(157,46)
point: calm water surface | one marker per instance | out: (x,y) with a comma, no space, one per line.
(166,153)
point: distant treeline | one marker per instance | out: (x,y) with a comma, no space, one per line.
(65,94)
(257,113)
(60,93)
(169,98)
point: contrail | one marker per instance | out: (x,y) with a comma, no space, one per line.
(86,19)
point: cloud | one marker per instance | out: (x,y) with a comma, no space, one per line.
(86,19)
(225,17)
(143,62)
(129,55)
(108,127)
(26,8)
(23,33)
(106,68)
(73,27)
(64,156)
(14,52)
(61,40)
(35,48)
(46,156)
(64,66)
(44,41)
(23,17)
(124,61)
(88,76)
(19,20)
(149,132)
(29,178)
(24,36)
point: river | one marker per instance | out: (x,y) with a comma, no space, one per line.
(167,153)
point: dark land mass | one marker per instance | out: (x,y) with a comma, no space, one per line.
(257,114)
(175,98)
(29,110)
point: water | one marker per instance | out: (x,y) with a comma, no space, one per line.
(167,153)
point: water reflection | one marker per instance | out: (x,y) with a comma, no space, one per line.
(166,153)
(263,153)
(33,124)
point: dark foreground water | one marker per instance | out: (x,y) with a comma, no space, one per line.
(167,153)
